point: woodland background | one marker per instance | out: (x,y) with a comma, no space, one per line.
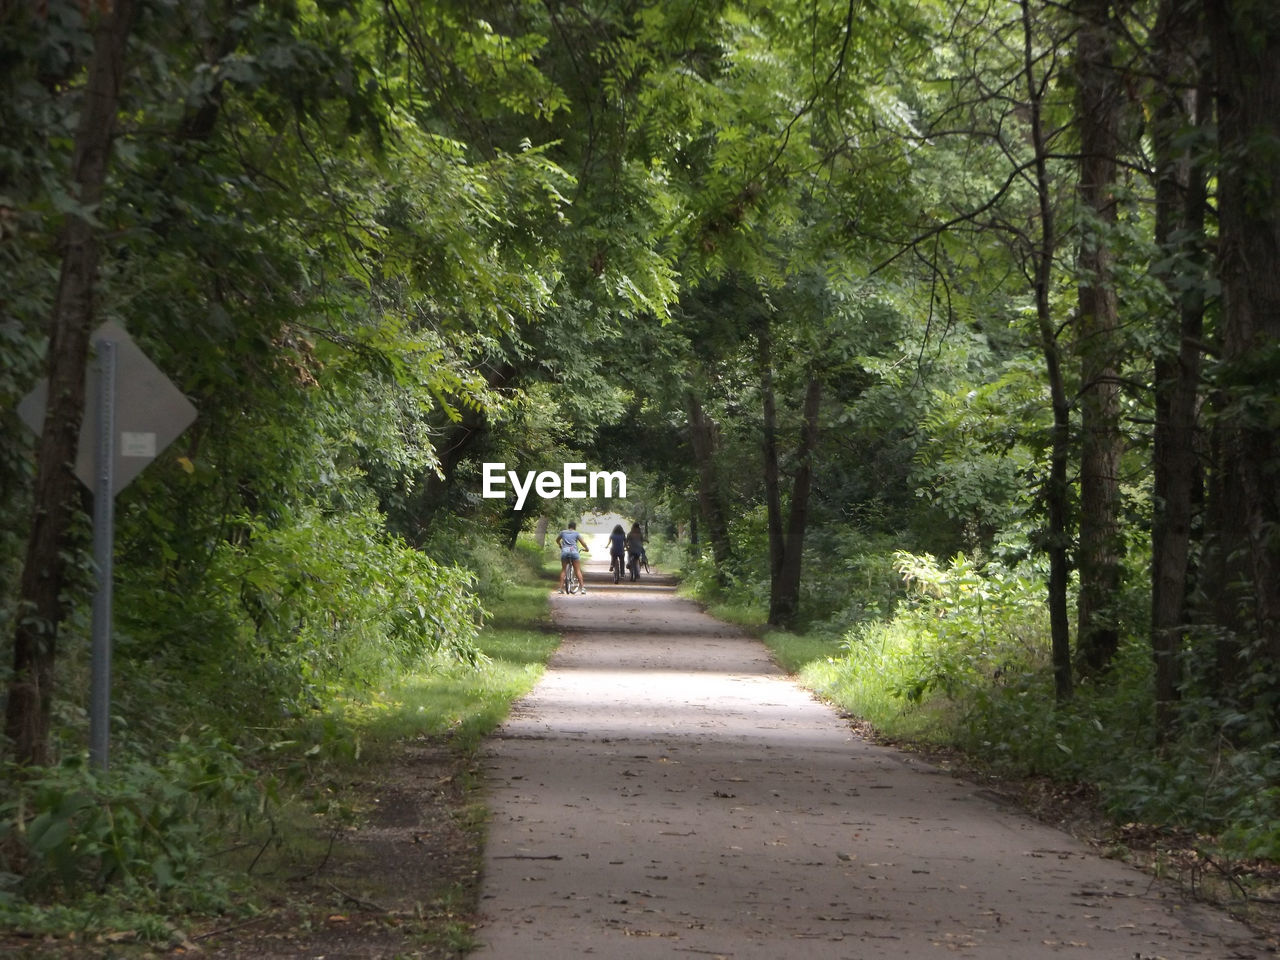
(943,336)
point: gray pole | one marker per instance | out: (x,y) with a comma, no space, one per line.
(103,550)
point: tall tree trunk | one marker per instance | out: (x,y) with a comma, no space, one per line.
(784,592)
(1179,231)
(769,456)
(1245,42)
(1058,538)
(1098,106)
(43,574)
(702,438)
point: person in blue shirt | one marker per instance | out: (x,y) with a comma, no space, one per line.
(570,541)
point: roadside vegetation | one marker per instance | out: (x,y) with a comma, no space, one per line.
(942,336)
(224,835)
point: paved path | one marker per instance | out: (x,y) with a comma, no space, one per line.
(666,792)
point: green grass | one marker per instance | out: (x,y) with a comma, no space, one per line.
(817,661)
(322,774)
(743,614)
(462,702)
(798,652)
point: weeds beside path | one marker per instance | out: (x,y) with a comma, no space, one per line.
(403,881)
(378,854)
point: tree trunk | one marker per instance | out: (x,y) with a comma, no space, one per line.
(1098,107)
(514,522)
(70,324)
(769,454)
(1179,231)
(1057,539)
(1245,42)
(784,592)
(702,437)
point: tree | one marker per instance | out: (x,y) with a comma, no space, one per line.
(1042,256)
(70,324)
(1098,117)
(1245,43)
(1180,144)
(702,442)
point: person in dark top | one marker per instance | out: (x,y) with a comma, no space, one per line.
(617,549)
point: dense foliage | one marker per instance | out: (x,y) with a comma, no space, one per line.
(844,290)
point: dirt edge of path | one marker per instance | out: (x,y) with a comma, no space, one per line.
(402,882)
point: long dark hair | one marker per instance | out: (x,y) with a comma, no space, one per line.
(617,528)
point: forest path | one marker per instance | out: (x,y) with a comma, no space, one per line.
(666,791)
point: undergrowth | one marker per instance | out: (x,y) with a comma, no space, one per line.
(200,828)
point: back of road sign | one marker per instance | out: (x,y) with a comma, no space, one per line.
(150,411)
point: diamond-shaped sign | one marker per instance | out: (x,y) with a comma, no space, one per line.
(150,412)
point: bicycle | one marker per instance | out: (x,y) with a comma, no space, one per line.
(615,567)
(571,583)
(633,566)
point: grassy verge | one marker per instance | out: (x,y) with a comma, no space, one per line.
(371,830)
(813,658)
(464,703)
(422,741)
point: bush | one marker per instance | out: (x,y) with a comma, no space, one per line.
(145,830)
(291,614)
(963,628)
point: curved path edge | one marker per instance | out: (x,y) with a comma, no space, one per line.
(667,791)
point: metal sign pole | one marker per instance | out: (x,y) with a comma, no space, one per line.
(103,551)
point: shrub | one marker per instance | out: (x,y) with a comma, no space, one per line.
(974,627)
(325,604)
(146,830)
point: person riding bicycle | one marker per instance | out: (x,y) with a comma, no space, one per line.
(617,548)
(570,541)
(635,547)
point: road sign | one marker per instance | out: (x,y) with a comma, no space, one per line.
(132,412)
(150,412)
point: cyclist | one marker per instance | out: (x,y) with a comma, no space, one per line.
(635,547)
(569,541)
(617,547)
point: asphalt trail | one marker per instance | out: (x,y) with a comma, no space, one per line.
(666,791)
